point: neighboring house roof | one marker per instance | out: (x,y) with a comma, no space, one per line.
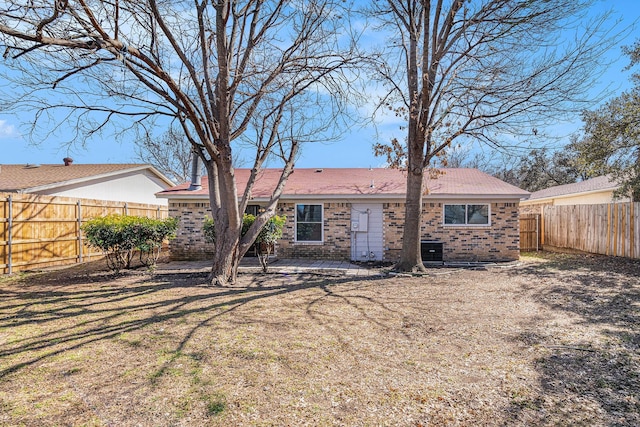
(592,185)
(32,178)
(360,183)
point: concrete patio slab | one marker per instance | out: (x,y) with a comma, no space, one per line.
(288,266)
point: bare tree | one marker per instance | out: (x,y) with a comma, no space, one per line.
(170,153)
(485,70)
(220,70)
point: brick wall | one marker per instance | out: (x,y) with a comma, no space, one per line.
(189,243)
(498,242)
(337,234)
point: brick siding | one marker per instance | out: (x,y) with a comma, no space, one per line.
(498,242)
(337,234)
(189,243)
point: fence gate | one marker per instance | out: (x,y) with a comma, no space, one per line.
(530,235)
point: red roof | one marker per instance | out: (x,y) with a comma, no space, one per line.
(360,183)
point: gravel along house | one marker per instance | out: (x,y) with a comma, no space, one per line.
(358,214)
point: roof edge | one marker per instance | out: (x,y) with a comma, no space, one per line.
(99,176)
(560,196)
(514,197)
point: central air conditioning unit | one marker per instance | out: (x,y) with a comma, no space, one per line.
(432,250)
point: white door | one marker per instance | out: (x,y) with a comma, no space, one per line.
(366,232)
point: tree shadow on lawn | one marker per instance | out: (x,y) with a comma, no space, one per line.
(591,371)
(72,314)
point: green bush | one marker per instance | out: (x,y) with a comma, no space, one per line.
(267,238)
(209,231)
(151,233)
(118,236)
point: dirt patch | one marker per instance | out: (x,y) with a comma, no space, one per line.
(553,341)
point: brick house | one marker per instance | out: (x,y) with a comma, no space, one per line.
(358,214)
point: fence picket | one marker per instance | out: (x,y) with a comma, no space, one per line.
(608,229)
(41,231)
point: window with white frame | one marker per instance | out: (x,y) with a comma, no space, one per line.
(308,223)
(471,214)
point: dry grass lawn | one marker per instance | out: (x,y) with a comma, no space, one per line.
(553,341)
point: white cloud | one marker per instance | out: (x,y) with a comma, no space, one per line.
(8,130)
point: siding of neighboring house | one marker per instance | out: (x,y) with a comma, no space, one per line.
(585,199)
(589,192)
(131,183)
(537,205)
(498,241)
(138,187)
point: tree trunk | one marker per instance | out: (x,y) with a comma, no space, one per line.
(411,258)
(227,223)
(224,268)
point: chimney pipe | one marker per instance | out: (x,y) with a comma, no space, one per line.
(67,161)
(196,177)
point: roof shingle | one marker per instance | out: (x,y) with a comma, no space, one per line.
(379,182)
(25,178)
(594,184)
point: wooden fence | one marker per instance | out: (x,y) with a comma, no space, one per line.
(41,231)
(608,229)
(530,232)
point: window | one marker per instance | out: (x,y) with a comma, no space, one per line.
(308,223)
(253,210)
(466,214)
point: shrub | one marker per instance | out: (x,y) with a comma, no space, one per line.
(209,231)
(119,235)
(150,234)
(267,238)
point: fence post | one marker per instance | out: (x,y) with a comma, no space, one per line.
(79,231)
(608,251)
(537,231)
(542,227)
(126,209)
(615,229)
(10,236)
(632,223)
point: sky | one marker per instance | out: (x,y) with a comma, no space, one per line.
(353,150)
